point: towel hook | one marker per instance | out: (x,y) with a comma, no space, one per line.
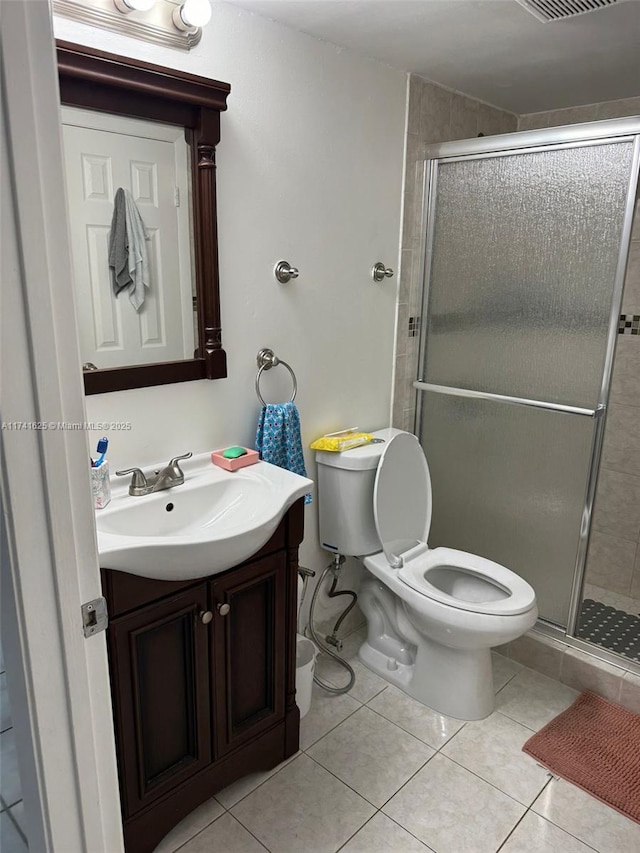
(283,272)
(379,272)
(266,359)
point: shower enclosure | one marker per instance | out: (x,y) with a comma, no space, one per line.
(527,237)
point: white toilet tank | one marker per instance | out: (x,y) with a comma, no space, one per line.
(345,497)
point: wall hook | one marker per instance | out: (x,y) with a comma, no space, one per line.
(379,272)
(283,271)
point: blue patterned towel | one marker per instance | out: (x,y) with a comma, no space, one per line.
(278,438)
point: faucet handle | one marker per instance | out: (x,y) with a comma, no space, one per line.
(175,467)
(138,484)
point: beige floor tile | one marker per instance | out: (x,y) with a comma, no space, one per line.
(586,818)
(503,670)
(17,813)
(5,710)
(10,839)
(382,835)
(326,712)
(303,808)
(192,824)
(414,717)
(533,699)
(371,755)
(534,834)
(492,749)
(10,788)
(225,834)
(451,810)
(233,793)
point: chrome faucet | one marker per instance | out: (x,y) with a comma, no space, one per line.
(166,478)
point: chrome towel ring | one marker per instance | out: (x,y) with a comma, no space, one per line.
(267,359)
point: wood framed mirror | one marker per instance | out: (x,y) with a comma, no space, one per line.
(106,83)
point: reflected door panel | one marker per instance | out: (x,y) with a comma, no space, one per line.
(98,161)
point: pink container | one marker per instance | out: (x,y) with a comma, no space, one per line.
(221,461)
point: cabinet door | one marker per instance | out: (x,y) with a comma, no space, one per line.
(159,658)
(249,642)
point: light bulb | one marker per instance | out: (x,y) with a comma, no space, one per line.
(192,14)
(127,6)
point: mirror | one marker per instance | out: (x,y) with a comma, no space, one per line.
(166,125)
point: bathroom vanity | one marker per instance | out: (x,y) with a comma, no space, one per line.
(203,681)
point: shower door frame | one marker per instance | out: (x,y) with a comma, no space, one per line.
(612,131)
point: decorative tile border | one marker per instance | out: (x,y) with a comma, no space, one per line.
(629,324)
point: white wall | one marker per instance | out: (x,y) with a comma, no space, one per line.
(309,170)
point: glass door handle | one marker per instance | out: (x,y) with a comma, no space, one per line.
(505,398)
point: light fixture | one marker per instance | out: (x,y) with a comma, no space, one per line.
(192,14)
(126,6)
(170,23)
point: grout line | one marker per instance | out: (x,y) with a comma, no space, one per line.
(548,820)
(362,796)
(430,849)
(552,822)
(353,835)
(422,740)
(482,779)
(246,829)
(17,825)
(272,776)
(413,775)
(200,831)
(350,714)
(512,830)
(406,731)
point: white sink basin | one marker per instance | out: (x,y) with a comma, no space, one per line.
(214,521)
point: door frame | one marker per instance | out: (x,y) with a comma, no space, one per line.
(58,680)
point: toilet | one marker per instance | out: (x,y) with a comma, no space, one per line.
(433,615)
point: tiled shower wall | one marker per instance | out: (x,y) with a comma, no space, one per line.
(613,563)
(434,115)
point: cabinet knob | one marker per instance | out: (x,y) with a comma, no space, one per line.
(206,616)
(223,609)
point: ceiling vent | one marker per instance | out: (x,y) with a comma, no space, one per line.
(556,10)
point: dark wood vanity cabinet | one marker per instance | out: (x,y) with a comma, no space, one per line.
(203,681)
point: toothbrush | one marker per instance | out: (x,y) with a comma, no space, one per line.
(102,450)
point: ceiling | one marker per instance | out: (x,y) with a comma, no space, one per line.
(493,50)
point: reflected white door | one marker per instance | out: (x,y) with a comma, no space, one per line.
(103,153)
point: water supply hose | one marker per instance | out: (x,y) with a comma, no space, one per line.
(334,567)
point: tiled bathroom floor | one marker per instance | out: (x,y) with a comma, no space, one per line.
(380,773)
(12,823)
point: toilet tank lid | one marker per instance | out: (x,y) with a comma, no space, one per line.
(362,458)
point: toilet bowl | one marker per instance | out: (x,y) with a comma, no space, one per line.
(433,615)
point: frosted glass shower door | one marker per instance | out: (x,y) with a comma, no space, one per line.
(522,257)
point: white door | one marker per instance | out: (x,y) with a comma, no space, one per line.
(58,680)
(103,153)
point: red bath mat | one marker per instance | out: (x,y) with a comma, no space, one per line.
(596,745)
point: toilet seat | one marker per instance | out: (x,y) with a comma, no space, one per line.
(402,503)
(513,595)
